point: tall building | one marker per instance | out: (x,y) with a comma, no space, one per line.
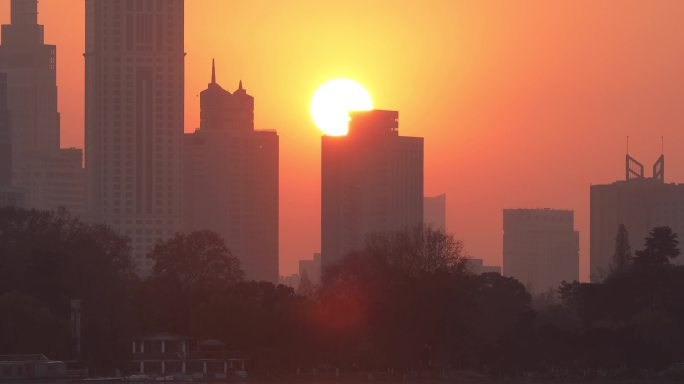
(134,101)
(31,94)
(640,203)
(231,180)
(372,181)
(434,211)
(5,136)
(540,247)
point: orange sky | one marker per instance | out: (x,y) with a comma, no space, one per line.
(522,104)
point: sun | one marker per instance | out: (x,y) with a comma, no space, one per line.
(332,102)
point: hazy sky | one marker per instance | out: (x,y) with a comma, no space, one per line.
(522,104)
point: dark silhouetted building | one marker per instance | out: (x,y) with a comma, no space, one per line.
(434,211)
(47,176)
(231,180)
(291,281)
(477,267)
(540,247)
(5,136)
(372,181)
(165,354)
(311,268)
(640,203)
(134,101)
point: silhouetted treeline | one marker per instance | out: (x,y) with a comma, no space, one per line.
(403,302)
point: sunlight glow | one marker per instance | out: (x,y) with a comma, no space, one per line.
(332,102)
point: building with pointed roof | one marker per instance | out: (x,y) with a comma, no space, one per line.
(231,179)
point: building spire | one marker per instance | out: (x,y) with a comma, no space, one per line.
(240,85)
(213,71)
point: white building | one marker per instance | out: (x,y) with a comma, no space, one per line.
(134,104)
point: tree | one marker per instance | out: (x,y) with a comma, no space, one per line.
(659,248)
(623,254)
(49,258)
(414,251)
(195,260)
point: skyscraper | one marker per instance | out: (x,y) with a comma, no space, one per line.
(5,137)
(231,180)
(434,211)
(540,247)
(640,203)
(31,68)
(134,118)
(372,181)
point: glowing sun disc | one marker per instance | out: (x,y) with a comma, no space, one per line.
(332,102)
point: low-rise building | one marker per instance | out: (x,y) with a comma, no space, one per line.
(166,354)
(30,367)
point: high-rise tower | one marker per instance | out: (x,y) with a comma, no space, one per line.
(5,137)
(231,180)
(48,177)
(639,203)
(372,181)
(134,118)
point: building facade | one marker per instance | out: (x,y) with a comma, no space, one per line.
(32,119)
(311,268)
(640,203)
(231,180)
(5,137)
(540,247)
(434,211)
(478,267)
(372,181)
(134,101)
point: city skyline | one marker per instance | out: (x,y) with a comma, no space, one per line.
(279,220)
(587,93)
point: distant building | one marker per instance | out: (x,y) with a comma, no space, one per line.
(5,136)
(60,182)
(434,211)
(372,181)
(540,247)
(31,160)
(231,180)
(134,119)
(638,202)
(477,267)
(291,281)
(311,268)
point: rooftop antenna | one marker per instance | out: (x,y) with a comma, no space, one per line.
(633,168)
(662,145)
(627,144)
